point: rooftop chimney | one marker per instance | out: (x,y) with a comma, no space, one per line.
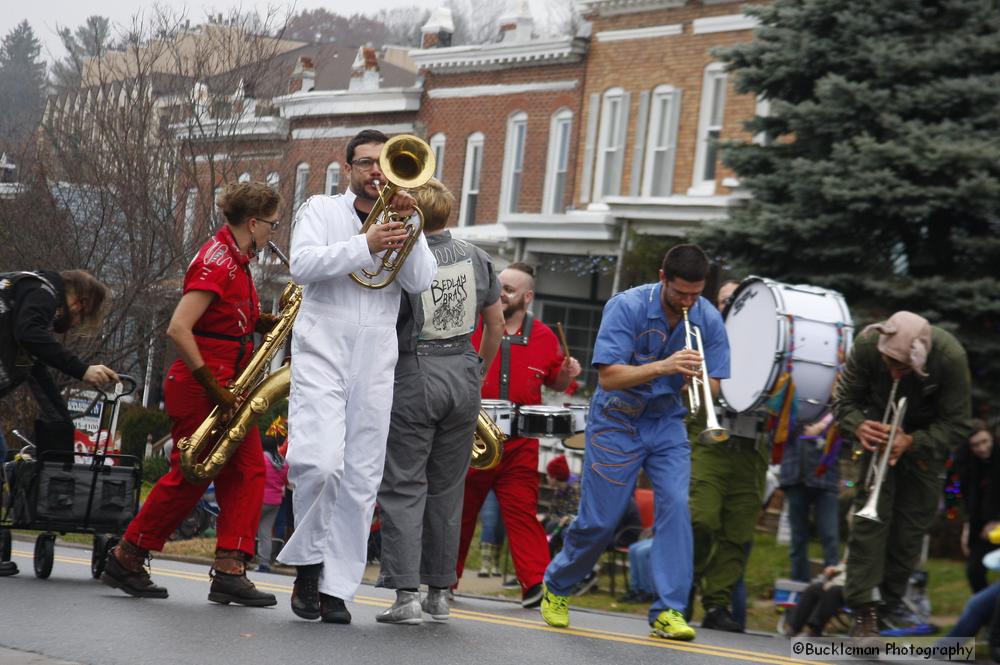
(364,71)
(303,76)
(516,25)
(438,30)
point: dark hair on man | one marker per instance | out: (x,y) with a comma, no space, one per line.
(92,294)
(240,201)
(687,262)
(363,137)
(521,266)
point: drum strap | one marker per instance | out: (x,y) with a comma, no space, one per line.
(505,342)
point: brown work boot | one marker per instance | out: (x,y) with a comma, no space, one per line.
(125,569)
(230,583)
(865,621)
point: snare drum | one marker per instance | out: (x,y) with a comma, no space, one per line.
(502,413)
(579,412)
(538,421)
(772,326)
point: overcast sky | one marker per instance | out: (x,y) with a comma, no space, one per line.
(46,16)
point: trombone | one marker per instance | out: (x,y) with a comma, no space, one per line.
(880,458)
(700,390)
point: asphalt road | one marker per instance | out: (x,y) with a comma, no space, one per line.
(71,618)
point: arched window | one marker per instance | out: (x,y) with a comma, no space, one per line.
(470,183)
(661,141)
(557,162)
(332,178)
(611,143)
(244,177)
(437,147)
(713,106)
(301,184)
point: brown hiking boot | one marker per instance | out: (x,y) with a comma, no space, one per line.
(865,621)
(230,583)
(125,569)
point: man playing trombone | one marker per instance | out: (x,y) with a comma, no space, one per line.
(636,421)
(916,375)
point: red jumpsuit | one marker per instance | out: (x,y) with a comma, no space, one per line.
(515,479)
(224,334)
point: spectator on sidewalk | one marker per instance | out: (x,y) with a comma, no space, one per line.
(276,477)
(979,473)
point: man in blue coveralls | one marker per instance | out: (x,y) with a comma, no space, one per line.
(636,421)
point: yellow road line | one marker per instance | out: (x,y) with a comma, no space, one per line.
(500,620)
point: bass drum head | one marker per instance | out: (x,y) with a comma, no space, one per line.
(756,337)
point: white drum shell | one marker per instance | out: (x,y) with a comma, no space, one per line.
(759,332)
(579,412)
(502,413)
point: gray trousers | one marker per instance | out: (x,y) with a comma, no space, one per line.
(265,531)
(434,411)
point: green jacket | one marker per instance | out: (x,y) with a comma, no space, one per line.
(938,407)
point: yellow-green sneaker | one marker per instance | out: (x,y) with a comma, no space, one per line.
(670,625)
(555,609)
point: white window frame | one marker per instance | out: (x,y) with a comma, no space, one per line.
(437,144)
(301,185)
(473,170)
(710,120)
(665,125)
(190,211)
(611,144)
(512,182)
(332,186)
(558,158)
(217,217)
(244,177)
(273,179)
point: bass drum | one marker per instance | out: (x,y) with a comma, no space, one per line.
(773,327)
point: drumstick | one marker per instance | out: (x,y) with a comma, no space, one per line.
(562,338)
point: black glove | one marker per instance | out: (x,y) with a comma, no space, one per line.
(266,323)
(221,396)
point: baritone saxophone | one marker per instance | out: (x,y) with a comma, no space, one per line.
(210,447)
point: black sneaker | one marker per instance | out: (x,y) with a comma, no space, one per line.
(532,597)
(305,597)
(719,618)
(333,609)
(228,588)
(134,583)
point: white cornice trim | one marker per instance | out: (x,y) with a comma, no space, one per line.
(639,33)
(673,210)
(576,225)
(306,133)
(265,128)
(346,102)
(501,89)
(612,7)
(727,23)
(492,56)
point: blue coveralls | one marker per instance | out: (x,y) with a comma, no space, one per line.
(640,427)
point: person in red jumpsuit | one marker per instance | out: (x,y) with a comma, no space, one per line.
(530,356)
(212,328)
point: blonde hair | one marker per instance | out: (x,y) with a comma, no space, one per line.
(240,201)
(435,201)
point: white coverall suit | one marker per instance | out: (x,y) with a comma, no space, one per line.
(344,351)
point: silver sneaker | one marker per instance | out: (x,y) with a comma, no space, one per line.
(435,603)
(406,609)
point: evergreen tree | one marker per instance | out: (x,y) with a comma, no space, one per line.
(90,40)
(22,82)
(880,175)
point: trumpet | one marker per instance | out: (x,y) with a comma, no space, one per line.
(407,162)
(700,390)
(880,458)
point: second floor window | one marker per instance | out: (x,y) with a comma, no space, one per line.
(713,106)
(437,147)
(333,179)
(611,143)
(301,185)
(661,148)
(190,207)
(517,130)
(470,183)
(557,170)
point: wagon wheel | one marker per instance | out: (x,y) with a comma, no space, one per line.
(99,555)
(5,544)
(45,555)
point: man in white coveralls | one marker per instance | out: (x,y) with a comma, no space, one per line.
(345,349)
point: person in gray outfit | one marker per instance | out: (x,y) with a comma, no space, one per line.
(434,412)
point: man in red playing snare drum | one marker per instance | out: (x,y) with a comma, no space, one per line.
(529,357)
